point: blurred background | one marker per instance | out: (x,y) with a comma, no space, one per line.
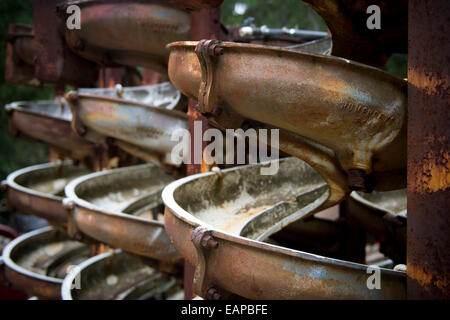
(17,153)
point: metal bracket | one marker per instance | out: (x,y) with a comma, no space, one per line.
(203,241)
(206,50)
(77,126)
(72,229)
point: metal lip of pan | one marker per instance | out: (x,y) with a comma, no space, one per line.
(291,264)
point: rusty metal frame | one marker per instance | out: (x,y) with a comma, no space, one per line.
(107,23)
(19,63)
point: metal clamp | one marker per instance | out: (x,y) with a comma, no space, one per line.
(77,126)
(206,50)
(203,241)
(72,229)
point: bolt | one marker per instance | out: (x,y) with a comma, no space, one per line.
(68,204)
(72,96)
(209,242)
(358,180)
(213,294)
(215,50)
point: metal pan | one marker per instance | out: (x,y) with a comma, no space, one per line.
(383,214)
(132,33)
(119,207)
(218,221)
(118,276)
(142,130)
(37,261)
(162,95)
(38,190)
(49,122)
(345,119)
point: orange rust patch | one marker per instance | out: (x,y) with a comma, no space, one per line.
(427,279)
(435,173)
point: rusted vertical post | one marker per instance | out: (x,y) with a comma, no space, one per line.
(205,24)
(428,255)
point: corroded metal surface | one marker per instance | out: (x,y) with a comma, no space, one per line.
(49,122)
(38,190)
(351,37)
(117,276)
(20,50)
(147,28)
(383,214)
(350,115)
(428,150)
(143,128)
(218,222)
(55,62)
(120,208)
(163,95)
(37,261)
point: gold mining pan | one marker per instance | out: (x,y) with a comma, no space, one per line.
(218,222)
(37,262)
(120,208)
(49,122)
(141,129)
(131,33)
(38,190)
(118,276)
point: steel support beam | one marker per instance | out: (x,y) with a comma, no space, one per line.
(428,255)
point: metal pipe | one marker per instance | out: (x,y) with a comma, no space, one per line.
(428,255)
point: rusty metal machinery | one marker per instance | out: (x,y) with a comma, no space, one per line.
(219,222)
(345,121)
(37,262)
(49,122)
(343,118)
(125,119)
(39,190)
(117,276)
(122,208)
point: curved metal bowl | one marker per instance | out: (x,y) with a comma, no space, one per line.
(132,33)
(352,115)
(393,202)
(37,261)
(38,190)
(218,222)
(161,95)
(119,207)
(49,122)
(383,214)
(117,276)
(142,130)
